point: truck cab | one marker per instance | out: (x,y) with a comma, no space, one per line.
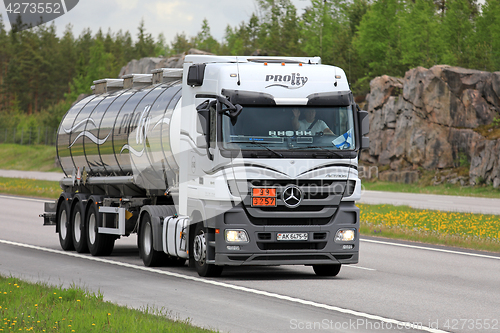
(273,162)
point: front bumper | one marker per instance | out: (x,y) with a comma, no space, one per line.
(263,248)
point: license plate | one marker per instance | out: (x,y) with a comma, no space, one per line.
(263,202)
(292,236)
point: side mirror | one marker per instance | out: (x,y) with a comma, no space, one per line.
(204,118)
(196,74)
(230,110)
(364,128)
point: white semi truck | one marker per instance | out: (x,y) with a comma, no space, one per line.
(228,161)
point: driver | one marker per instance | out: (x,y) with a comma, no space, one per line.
(309,123)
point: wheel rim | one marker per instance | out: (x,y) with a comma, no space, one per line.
(77,226)
(63,230)
(199,248)
(92,225)
(147,240)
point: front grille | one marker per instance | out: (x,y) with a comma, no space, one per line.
(319,235)
(292,246)
(288,221)
(264,235)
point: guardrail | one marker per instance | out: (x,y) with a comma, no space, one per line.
(29,136)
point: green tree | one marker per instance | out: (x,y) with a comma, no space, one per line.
(244,39)
(161,47)
(326,32)
(378,41)
(205,41)
(181,44)
(5,55)
(458,33)
(97,68)
(145,46)
(487,55)
(421,42)
(279,29)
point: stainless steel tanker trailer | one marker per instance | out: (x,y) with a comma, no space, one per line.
(228,161)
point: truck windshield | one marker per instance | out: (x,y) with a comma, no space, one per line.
(290,127)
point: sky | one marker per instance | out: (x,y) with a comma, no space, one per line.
(160,16)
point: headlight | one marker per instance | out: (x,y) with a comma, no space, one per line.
(239,236)
(345,235)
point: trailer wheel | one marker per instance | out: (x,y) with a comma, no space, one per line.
(65,227)
(149,255)
(99,244)
(327,270)
(200,254)
(79,235)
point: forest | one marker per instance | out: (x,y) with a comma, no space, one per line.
(42,73)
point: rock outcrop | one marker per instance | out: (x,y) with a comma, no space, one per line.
(146,65)
(428,119)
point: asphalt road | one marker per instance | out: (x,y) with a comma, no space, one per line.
(449,203)
(394,285)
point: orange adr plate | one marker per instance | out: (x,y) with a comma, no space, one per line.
(264,192)
(263,201)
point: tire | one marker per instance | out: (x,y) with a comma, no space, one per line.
(200,254)
(78,231)
(327,270)
(64,225)
(149,255)
(98,244)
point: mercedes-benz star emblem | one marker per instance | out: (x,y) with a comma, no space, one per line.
(292,196)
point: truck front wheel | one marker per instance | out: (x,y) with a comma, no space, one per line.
(327,270)
(200,254)
(149,255)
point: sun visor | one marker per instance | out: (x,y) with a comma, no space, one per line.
(248,97)
(336,98)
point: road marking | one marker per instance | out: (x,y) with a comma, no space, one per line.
(359,267)
(398,323)
(26,199)
(431,249)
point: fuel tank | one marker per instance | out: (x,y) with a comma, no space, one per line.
(124,131)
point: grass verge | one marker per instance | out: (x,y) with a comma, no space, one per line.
(28,158)
(31,307)
(471,231)
(30,187)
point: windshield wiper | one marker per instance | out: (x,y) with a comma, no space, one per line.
(323,149)
(261,145)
